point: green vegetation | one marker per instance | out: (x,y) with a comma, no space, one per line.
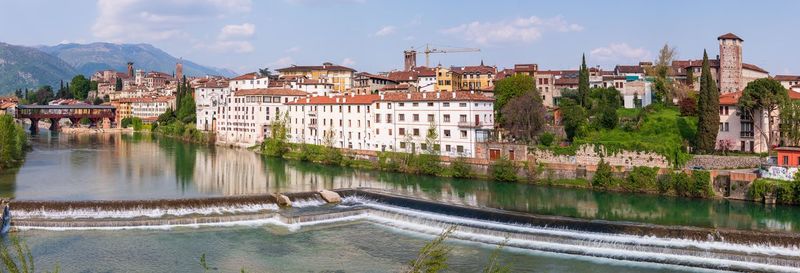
(784,192)
(80,86)
(276,143)
(640,179)
(604,177)
(433,255)
(763,96)
(707,111)
(504,170)
(13,142)
(134,122)
(180,130)
(460,169)
(698,184)
(180,123)
(17,257)
(509,88)
(583,83)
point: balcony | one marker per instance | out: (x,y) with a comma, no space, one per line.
(473,124)
(749,134)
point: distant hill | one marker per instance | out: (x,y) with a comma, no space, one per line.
(22,67)
(88,58)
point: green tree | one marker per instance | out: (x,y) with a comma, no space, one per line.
(460,169)
(663,86)
(763,96)
(573,118)
(44,94)
(429,162)
(583,83)
(690,77)
(186,113)
(790,122)
(9,142)
(276,144)
(604,176)
(504,170)
(118,84)
(509,88)
(707,110)
(524,117)
(80,86)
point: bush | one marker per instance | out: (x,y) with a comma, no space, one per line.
(460,169)
(688,107)
(428,164)
(701,184)
(125,122)
(682,184)
(604,176)
(504,170)
(785,192)
(137,124)
(664,183)
(546,139)
(641,179)
(388,161)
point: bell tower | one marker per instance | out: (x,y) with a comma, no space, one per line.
(410,59)
(730,63)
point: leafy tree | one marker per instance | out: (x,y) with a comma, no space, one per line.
(604,176)
(660,72)
(118,84)
(509,88)
(433,256)
(790,122)
(167,117)
(707,110)
(187,110)
(18,93)
(44,94)
(573,118)
(11,142)
(275,144)
(546,139)
(264,72)
(602,105)
(93,85)
(763,96)
(429,162)
(583,82)
(460,169)
(687,106)
(80,86)
(523,117)
(690,77)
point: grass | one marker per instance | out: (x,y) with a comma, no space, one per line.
(661,130)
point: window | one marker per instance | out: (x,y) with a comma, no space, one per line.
(401,117)
(446,133)
(401,131)
(389,118)
(430,117)
(446,104)
(416,117)
(430,104)
(460,149)
(785,160)
(446,118)
(402,145)
(463,133)
(377,118)
(416,132)
(423,146)
(415,104)
(463,104)
(400,104)
(462,118)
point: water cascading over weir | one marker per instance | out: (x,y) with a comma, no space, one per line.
(725,249)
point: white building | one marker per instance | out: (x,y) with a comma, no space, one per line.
(208,98)
(394,121)
(245,116)
(149,108)
(248,81)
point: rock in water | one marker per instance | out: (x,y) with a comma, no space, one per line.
(330,196)
(283,200)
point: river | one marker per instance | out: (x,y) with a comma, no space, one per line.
(140,166)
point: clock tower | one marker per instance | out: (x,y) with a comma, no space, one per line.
(730,63)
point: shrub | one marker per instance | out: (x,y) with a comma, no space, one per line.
(125,123)
(460,169)
(504,170)
(701,184)
(137,124)
(688,107)
(641,179)
(604,176)
(428,164)
(387,161)
(546,139)
(664,183)
(682,184)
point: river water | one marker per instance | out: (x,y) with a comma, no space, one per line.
(140,166)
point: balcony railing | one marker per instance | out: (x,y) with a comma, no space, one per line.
(746,134)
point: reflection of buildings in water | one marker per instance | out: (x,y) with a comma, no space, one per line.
(230,172)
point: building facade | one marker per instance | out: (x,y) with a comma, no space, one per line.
(245,116)
(340,76)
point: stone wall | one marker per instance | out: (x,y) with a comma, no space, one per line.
(718,162)
(591,155)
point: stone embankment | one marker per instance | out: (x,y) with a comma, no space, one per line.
(718,162)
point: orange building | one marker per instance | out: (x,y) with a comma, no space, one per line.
(788,156)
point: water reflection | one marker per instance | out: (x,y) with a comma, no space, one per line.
(137,166)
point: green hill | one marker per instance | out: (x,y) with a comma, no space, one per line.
(27,67)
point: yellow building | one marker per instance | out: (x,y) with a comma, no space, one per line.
(476,77)
(447,80)
(124,110)
(340,76)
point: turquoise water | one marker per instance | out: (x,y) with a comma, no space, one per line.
(347,247)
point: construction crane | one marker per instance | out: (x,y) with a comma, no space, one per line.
(412,54)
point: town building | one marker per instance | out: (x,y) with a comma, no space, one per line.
(790,82)
(208,96)
(146,108)
(447,80)
(246,114)
(366,83)
(340,76)
(476,77)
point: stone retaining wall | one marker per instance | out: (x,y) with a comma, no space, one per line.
(718,162)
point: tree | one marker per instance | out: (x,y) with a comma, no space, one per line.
(790,122)
(573,118)
(8,142)
(264,72)
(44,94)
(583,83)
(80,87)
(602,105)
(763,96)
(660,72)
(509,88)
(118,84)
(186,112)
(275,144)
(707,110)
(688,106)
(523,117)
(690,77)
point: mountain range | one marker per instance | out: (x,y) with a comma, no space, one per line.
(30,67)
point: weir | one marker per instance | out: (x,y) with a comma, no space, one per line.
(735,250)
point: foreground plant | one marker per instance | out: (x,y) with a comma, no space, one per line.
(17,257)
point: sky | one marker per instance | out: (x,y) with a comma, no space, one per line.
(370,35)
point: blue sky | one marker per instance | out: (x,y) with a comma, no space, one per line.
(370,35)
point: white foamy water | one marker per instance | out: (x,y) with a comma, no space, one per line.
(308,202)
(135,213)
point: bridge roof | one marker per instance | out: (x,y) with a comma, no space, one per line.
(72,106)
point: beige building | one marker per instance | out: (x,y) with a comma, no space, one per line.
(340,76)
(447,80)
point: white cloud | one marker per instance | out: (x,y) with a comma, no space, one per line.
(237,31)
(282,62)
(348,62)
(619,52)
(293,49)
(523,29)
(385,30)
(146,21)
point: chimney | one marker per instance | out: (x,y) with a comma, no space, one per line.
(381,96)
(408,96)
(438,94)
(424,95)
(454,94)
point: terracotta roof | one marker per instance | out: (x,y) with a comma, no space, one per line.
(729,36)
(6,105)
(423,71)
(712,63)
(403,76)
(730,98)
(354,99)
(365,74)
(248,76)
(480,69)
(794,95)
(629,69)
(526,67)
(753,67)
(781,78)
(270,92)
(402,86)
(146,99)
(432,96)
(315,67)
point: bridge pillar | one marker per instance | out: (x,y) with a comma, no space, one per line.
(74,122)
(54,126)
(34,126)
(93,122)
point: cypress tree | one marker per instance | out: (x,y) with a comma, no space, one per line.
(583,82)
(689,76)
(707,110)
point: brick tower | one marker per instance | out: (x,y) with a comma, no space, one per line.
(179,70)
(410,59)
(730,63)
